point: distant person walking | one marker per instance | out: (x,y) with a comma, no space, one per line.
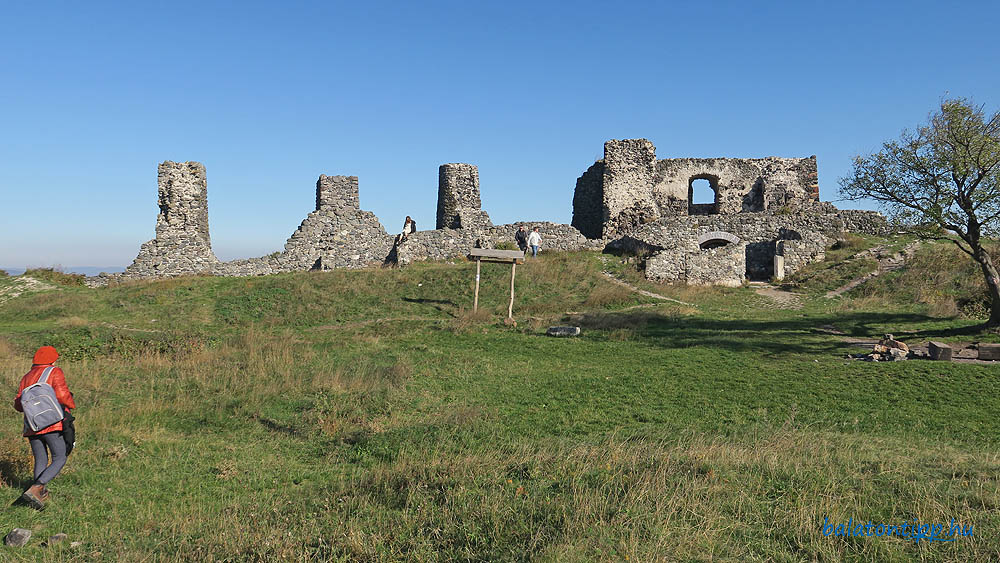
(534,240)
(521,238)
(42,387)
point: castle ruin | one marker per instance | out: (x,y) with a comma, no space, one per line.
(766,221)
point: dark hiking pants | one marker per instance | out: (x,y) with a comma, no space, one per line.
(41,446)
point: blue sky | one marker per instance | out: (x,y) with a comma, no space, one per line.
(270,95)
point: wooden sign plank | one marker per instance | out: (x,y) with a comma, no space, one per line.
(508,256)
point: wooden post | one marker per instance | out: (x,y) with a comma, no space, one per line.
(510,307)
(475,302)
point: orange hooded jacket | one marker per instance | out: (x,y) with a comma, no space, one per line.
(58,382)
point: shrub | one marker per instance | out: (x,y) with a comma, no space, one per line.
(850,241)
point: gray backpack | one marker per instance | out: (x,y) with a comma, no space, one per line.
(41,408)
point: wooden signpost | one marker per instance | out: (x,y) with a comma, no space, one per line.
(512,257)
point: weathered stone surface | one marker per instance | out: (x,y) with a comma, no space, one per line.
(721,265)
(989,351)
(459,205)
(443,244)
(562,331)
(766,211)
(18,537)
(939,351)
(629,187)
(182,245)
(56,538)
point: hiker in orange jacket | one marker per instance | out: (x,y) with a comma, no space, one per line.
(48,440)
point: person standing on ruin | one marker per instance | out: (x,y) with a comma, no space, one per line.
(534,240)
(49,440)
(521,238)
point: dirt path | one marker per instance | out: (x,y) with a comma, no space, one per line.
(643,292)
(21,285)
(782,299)
(886,263)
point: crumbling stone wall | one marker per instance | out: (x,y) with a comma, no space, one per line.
(627,196)
(798,253)
(806,236)
(459,205)
(338,234)
(442,244)
(627,200)
(635,188)
(741,185)
(722,265)
(182,245)
(588,210)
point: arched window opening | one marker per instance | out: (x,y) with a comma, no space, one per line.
(703,195)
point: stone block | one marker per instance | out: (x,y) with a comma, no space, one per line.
(563,331)
(939,351)
(989,351)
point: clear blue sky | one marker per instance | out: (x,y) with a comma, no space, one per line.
(270,95)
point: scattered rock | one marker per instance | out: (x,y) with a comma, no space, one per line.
(75,544)
(563,331)
(17,537)
(887,350)
(56,539)
(897,355)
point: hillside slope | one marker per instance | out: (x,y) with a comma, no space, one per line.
(368,415)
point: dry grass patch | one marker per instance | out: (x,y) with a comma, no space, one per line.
(763,498)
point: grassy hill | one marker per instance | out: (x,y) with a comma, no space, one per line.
(369,415)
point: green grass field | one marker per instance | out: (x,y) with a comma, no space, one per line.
(371,416)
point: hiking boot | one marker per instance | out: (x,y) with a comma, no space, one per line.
(34,497)
(45,494)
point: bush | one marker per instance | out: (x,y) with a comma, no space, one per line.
(850,241)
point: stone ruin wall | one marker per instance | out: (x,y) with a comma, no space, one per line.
(337,234)
(770,206)
(628,201)
(629,187)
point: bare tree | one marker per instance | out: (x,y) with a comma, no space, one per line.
(943,180)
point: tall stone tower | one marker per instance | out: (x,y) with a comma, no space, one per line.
(337,191)
(182,244)
(459,205)
(183,201)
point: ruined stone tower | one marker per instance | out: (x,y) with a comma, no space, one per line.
(459,205)
(182,244)
(337,191)
(338,234)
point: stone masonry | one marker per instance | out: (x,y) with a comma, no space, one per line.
(182,244)
(630,187)
(459,205)
(629,201)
